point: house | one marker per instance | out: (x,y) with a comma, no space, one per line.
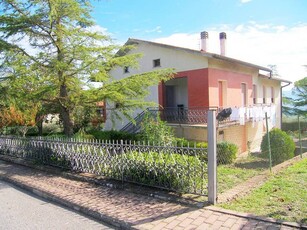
(206,80)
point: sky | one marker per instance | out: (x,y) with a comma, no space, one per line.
(262,32)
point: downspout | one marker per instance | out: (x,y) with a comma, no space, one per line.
(288,83)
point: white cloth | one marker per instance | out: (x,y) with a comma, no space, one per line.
(242,115)
(234,116)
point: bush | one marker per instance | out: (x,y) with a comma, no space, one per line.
(282,146)
(81,134)
(294,126)
(185,143)
(164,170)
(226,153)
(113,135)
(153,129)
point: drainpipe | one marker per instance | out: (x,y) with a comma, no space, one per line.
(288,83)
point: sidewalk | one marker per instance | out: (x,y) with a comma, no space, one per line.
(127,210)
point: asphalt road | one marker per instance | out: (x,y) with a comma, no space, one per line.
(20,210)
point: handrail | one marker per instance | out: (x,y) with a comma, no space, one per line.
(132,127)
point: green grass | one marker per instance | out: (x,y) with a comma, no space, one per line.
(283,196)
(231,175)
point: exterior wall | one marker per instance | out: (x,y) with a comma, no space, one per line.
(266,83)
(200,89)
(247,137)
(193,133)
(236,135)
(233,82)
(179,60)
(254,135)
(197,88)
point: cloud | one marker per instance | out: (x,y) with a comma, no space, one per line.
(97,28)
(261,44)
(155,30)
(245,1)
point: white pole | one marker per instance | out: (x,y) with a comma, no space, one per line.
(212,180)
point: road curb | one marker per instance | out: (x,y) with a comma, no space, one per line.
(258,218)
(73,206)
(99,180)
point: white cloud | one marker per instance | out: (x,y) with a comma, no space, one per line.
(245,1)
(154,30)
(260,44)
(97,28)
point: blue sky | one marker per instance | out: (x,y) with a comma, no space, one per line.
(152,19)
(263,32)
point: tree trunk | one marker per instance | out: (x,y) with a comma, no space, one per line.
(65,112)
(39,123)
(40,128)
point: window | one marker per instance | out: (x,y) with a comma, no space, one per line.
(263,94)
(254,94)
(243,94)
(156,63)
(126,69)
(222,93)
(272,95)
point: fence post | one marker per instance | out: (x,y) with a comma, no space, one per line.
(299,135)
(212,181)
(269,140)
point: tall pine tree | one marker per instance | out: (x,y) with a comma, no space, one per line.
(53,44)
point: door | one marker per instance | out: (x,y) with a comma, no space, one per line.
(170,96)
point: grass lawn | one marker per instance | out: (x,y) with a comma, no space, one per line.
(231,175)
(283,196)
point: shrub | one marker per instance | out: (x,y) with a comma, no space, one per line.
(282,146)
(185,143)
(226,153)
(153,129)
(113,135)
(81,134)
(164,170)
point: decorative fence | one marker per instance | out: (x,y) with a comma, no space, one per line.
(180,169)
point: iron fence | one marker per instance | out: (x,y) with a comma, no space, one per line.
(180,169)
(182,115)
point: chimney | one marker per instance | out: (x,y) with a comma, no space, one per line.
(223,43)
(203,41)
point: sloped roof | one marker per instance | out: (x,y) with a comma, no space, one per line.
(132,41)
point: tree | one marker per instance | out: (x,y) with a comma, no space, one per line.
(56,40)
(13,116)
(300,97)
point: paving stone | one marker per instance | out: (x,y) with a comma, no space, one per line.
(217,224)
(186,222)
(173,224)
(203,226)
(229,222)
(212,218)
(126,208)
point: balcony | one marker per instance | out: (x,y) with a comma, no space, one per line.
(198,116)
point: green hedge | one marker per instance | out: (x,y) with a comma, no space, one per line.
(226,153)
(293,126)
(282,146)
(174,171)
(113,135)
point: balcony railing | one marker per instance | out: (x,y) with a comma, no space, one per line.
(182,115)
(199,115)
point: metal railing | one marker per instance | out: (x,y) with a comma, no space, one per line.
(198,115)
(134,127)
(185,115)
(181,169)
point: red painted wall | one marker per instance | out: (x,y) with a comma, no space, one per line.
(203,87)
(198,91)
(233,81)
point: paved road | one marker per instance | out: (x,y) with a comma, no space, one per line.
(19,210)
